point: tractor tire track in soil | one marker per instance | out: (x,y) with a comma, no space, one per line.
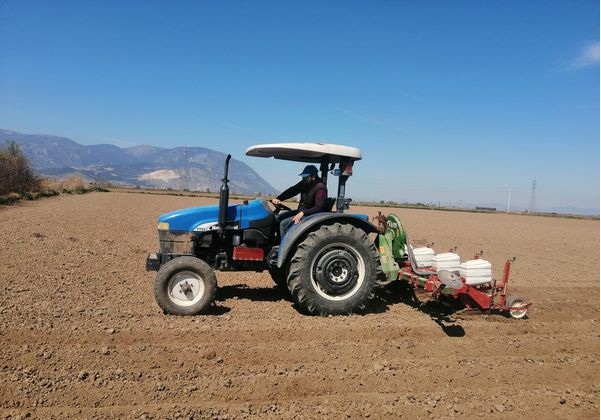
(82,336)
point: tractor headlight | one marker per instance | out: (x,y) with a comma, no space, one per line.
(163,226)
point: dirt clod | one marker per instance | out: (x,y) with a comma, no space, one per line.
(209,354)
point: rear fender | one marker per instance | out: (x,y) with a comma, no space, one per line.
(297,232)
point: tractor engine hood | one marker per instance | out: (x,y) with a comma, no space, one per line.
(205,218)
(196,218)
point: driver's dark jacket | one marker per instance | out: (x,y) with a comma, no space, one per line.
(313,196)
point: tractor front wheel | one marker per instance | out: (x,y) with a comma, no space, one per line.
(185,286)
(334,270)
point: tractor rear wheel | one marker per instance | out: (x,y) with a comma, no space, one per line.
(334,270)
(185,286)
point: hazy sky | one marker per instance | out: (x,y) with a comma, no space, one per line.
(450,101)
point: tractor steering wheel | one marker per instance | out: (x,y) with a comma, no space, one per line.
(280,207)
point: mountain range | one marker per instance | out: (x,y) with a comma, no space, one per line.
(192,168)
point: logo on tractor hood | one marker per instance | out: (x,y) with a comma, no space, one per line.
(205,227)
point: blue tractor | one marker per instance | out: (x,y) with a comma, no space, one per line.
(327,262)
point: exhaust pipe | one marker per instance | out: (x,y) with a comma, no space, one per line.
(224,194)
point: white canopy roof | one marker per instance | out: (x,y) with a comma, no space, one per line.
(305,152)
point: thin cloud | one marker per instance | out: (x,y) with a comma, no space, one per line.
(588,56)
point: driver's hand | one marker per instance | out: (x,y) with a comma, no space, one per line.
(275,201)
(298,217)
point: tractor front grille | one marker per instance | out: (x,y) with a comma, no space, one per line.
(174,242)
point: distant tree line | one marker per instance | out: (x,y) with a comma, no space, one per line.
(16,175)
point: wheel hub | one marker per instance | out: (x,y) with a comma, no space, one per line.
(518,308)
(335,271)
(186,288)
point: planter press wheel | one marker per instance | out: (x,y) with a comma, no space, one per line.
(517,305)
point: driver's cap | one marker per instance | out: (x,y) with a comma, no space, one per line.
(310,170)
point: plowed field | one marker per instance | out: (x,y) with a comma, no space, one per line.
(82,337)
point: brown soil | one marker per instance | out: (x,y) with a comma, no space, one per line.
(82,337)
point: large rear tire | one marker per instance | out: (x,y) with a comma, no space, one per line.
(185,286)
(333,271)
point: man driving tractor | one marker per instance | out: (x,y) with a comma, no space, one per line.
(313,197)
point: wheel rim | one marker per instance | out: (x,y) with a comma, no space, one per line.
(337,271)
(520,309)
(186,288)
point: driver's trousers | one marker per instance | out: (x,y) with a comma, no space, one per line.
(286,222)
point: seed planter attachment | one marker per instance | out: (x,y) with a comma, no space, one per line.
(443,285)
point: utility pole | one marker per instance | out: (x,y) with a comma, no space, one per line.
(533,197)
(508,200)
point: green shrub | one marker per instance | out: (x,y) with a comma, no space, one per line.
(10,198)
(49,193)
(31,195)
(98,189)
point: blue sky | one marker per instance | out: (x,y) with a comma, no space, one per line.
(450,101)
